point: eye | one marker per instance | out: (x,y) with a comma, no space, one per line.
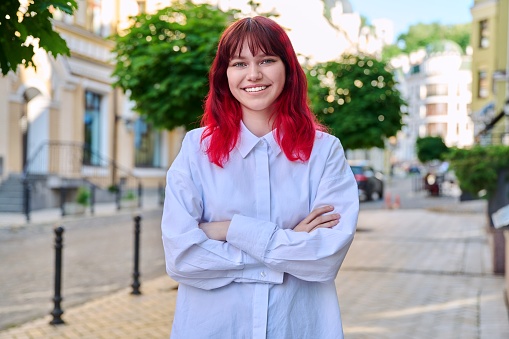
(268,61)
(239,64)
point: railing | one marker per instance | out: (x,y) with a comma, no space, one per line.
(65,164)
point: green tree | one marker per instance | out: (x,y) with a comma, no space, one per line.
(24,27)
(421,35)
(163,59)
(431,148)
(358,99)
(390,51)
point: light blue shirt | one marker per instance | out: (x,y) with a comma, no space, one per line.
(266,280)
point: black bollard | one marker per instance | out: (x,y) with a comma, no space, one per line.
(63,198)
(92,199)
(57,299)
(118,196)
(160,189)
(136,274)
(26,199)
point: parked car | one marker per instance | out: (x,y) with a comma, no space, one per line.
(369,181)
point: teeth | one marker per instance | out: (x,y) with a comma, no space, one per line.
(255,89)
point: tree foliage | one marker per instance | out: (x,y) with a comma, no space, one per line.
(358,99)
(431,148)
(25,27)
(421,35)
(164,58)
(477,168)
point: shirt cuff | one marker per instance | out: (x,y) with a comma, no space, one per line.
(250,235)
(260,274)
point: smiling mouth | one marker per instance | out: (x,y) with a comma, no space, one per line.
(255,89)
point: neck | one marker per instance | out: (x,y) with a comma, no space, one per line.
(259,125)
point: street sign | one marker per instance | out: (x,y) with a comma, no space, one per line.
(501,217)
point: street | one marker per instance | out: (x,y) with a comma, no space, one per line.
(97,260)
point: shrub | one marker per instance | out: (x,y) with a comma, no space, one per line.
(83,196)
(477,168)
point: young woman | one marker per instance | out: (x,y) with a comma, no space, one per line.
(261,205)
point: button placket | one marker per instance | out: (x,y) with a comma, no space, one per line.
(262,181)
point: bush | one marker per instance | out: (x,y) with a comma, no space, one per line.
(83,196)
(477,168)
(431,148)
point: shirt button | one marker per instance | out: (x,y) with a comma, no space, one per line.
(262,274)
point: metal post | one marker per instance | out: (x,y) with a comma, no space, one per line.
(140,193)
(26,199)
(136,274)
(57,299)
(92,199)
(63,193)
(119,195)
(161,194)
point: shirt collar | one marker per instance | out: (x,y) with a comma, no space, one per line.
(248,141)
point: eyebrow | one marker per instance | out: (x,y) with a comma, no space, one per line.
(259,55)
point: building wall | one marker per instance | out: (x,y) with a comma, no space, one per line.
(493,60)
(57,112)
(501,77)
(425,71)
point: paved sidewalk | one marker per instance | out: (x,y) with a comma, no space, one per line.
(409,274)
(46,216)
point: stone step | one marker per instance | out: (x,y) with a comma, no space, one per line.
(11,183)
(10,200)
(11,194)
(11,205)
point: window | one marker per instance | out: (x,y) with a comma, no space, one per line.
(92,142)
(436,109)
(415,69)
(437,129)
(482,84)
(436,89)
(147,145)
(484,40)
(94,16)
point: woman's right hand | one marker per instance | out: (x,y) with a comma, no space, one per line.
(318,219)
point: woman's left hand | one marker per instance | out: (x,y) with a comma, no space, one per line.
(215,230)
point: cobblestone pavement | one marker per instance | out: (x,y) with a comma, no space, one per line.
(421,274)
(409,274)
(98,259)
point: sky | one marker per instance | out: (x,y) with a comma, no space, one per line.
(405,13)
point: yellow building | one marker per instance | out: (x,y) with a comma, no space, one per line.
(64,125)
(489,70)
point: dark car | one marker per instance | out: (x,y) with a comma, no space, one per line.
(369,181)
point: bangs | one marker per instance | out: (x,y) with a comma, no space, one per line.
(258,37)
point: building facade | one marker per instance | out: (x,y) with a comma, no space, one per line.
(490,64)
(436,83)
(64,123)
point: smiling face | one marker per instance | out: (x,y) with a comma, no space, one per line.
(256,81)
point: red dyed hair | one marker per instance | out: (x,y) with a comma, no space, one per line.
(294,123)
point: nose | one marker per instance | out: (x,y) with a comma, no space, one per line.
(254,74)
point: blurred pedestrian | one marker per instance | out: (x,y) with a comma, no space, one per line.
(261,205)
